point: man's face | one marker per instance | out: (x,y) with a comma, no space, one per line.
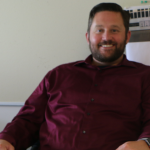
(107,38)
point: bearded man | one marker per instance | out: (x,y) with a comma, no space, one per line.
(101,103)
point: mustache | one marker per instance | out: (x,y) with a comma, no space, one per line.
(109,42)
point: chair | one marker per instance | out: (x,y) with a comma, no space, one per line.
(35,146)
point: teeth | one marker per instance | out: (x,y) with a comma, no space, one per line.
(107,45)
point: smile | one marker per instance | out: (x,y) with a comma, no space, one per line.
(106,45)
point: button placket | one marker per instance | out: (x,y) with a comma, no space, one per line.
(88,111)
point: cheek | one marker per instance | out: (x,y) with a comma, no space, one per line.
(95,39)
(120,39)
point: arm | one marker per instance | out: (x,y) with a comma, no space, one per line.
(23,131)
(145,119)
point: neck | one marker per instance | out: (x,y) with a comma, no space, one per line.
(99,63)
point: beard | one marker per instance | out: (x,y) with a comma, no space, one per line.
(118,52)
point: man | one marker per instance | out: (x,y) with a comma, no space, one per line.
(102,103)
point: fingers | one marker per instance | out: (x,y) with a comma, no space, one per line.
(134,145)
(5,145)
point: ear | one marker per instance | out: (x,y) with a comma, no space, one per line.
(87,37)
(128,36)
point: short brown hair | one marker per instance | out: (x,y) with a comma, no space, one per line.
(109,7)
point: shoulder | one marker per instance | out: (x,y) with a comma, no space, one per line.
(141,66)
(63,68)
(141,71)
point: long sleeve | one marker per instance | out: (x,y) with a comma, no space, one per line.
(24,128)
(145,107)
(78,106)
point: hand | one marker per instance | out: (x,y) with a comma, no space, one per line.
(4,145)
(134,145)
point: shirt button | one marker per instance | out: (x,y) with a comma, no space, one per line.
(92,99)
(88,113)
(84,132)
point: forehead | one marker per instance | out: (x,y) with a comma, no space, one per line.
(108,18)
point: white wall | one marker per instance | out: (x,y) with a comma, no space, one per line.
(7,113)
(36,36)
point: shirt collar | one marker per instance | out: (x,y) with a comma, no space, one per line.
(124,62)
(87,61)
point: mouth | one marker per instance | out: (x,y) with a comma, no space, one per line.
(107,45)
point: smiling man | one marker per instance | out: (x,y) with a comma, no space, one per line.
(100,103)
(107,38)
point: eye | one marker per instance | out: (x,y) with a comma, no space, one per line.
(114,30)
(99,30)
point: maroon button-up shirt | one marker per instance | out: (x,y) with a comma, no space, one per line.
(78,106)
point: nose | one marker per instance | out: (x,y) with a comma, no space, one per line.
(106,36)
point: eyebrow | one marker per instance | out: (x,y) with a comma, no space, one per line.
(115,26)
(99,26)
